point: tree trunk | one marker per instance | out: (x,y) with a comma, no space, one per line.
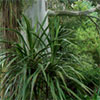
(37,12)
(11,12)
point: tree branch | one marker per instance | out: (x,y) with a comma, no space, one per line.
(73,13)
(97,26)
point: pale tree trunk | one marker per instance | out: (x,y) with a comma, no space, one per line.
(37,11)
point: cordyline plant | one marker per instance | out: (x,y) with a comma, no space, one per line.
(37,69)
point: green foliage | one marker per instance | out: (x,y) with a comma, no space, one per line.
(37,69)
(87,37)
(60,65)
(85,44)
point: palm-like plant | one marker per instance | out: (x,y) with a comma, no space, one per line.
(39,69)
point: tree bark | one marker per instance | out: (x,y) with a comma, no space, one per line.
(11,12)
(37,12)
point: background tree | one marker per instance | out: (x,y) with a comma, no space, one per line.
(11,11)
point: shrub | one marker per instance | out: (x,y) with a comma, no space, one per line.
(37,69)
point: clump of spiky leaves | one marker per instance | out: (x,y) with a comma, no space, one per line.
(37,66)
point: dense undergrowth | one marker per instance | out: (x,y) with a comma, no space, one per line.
(85,44)
(61,65)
